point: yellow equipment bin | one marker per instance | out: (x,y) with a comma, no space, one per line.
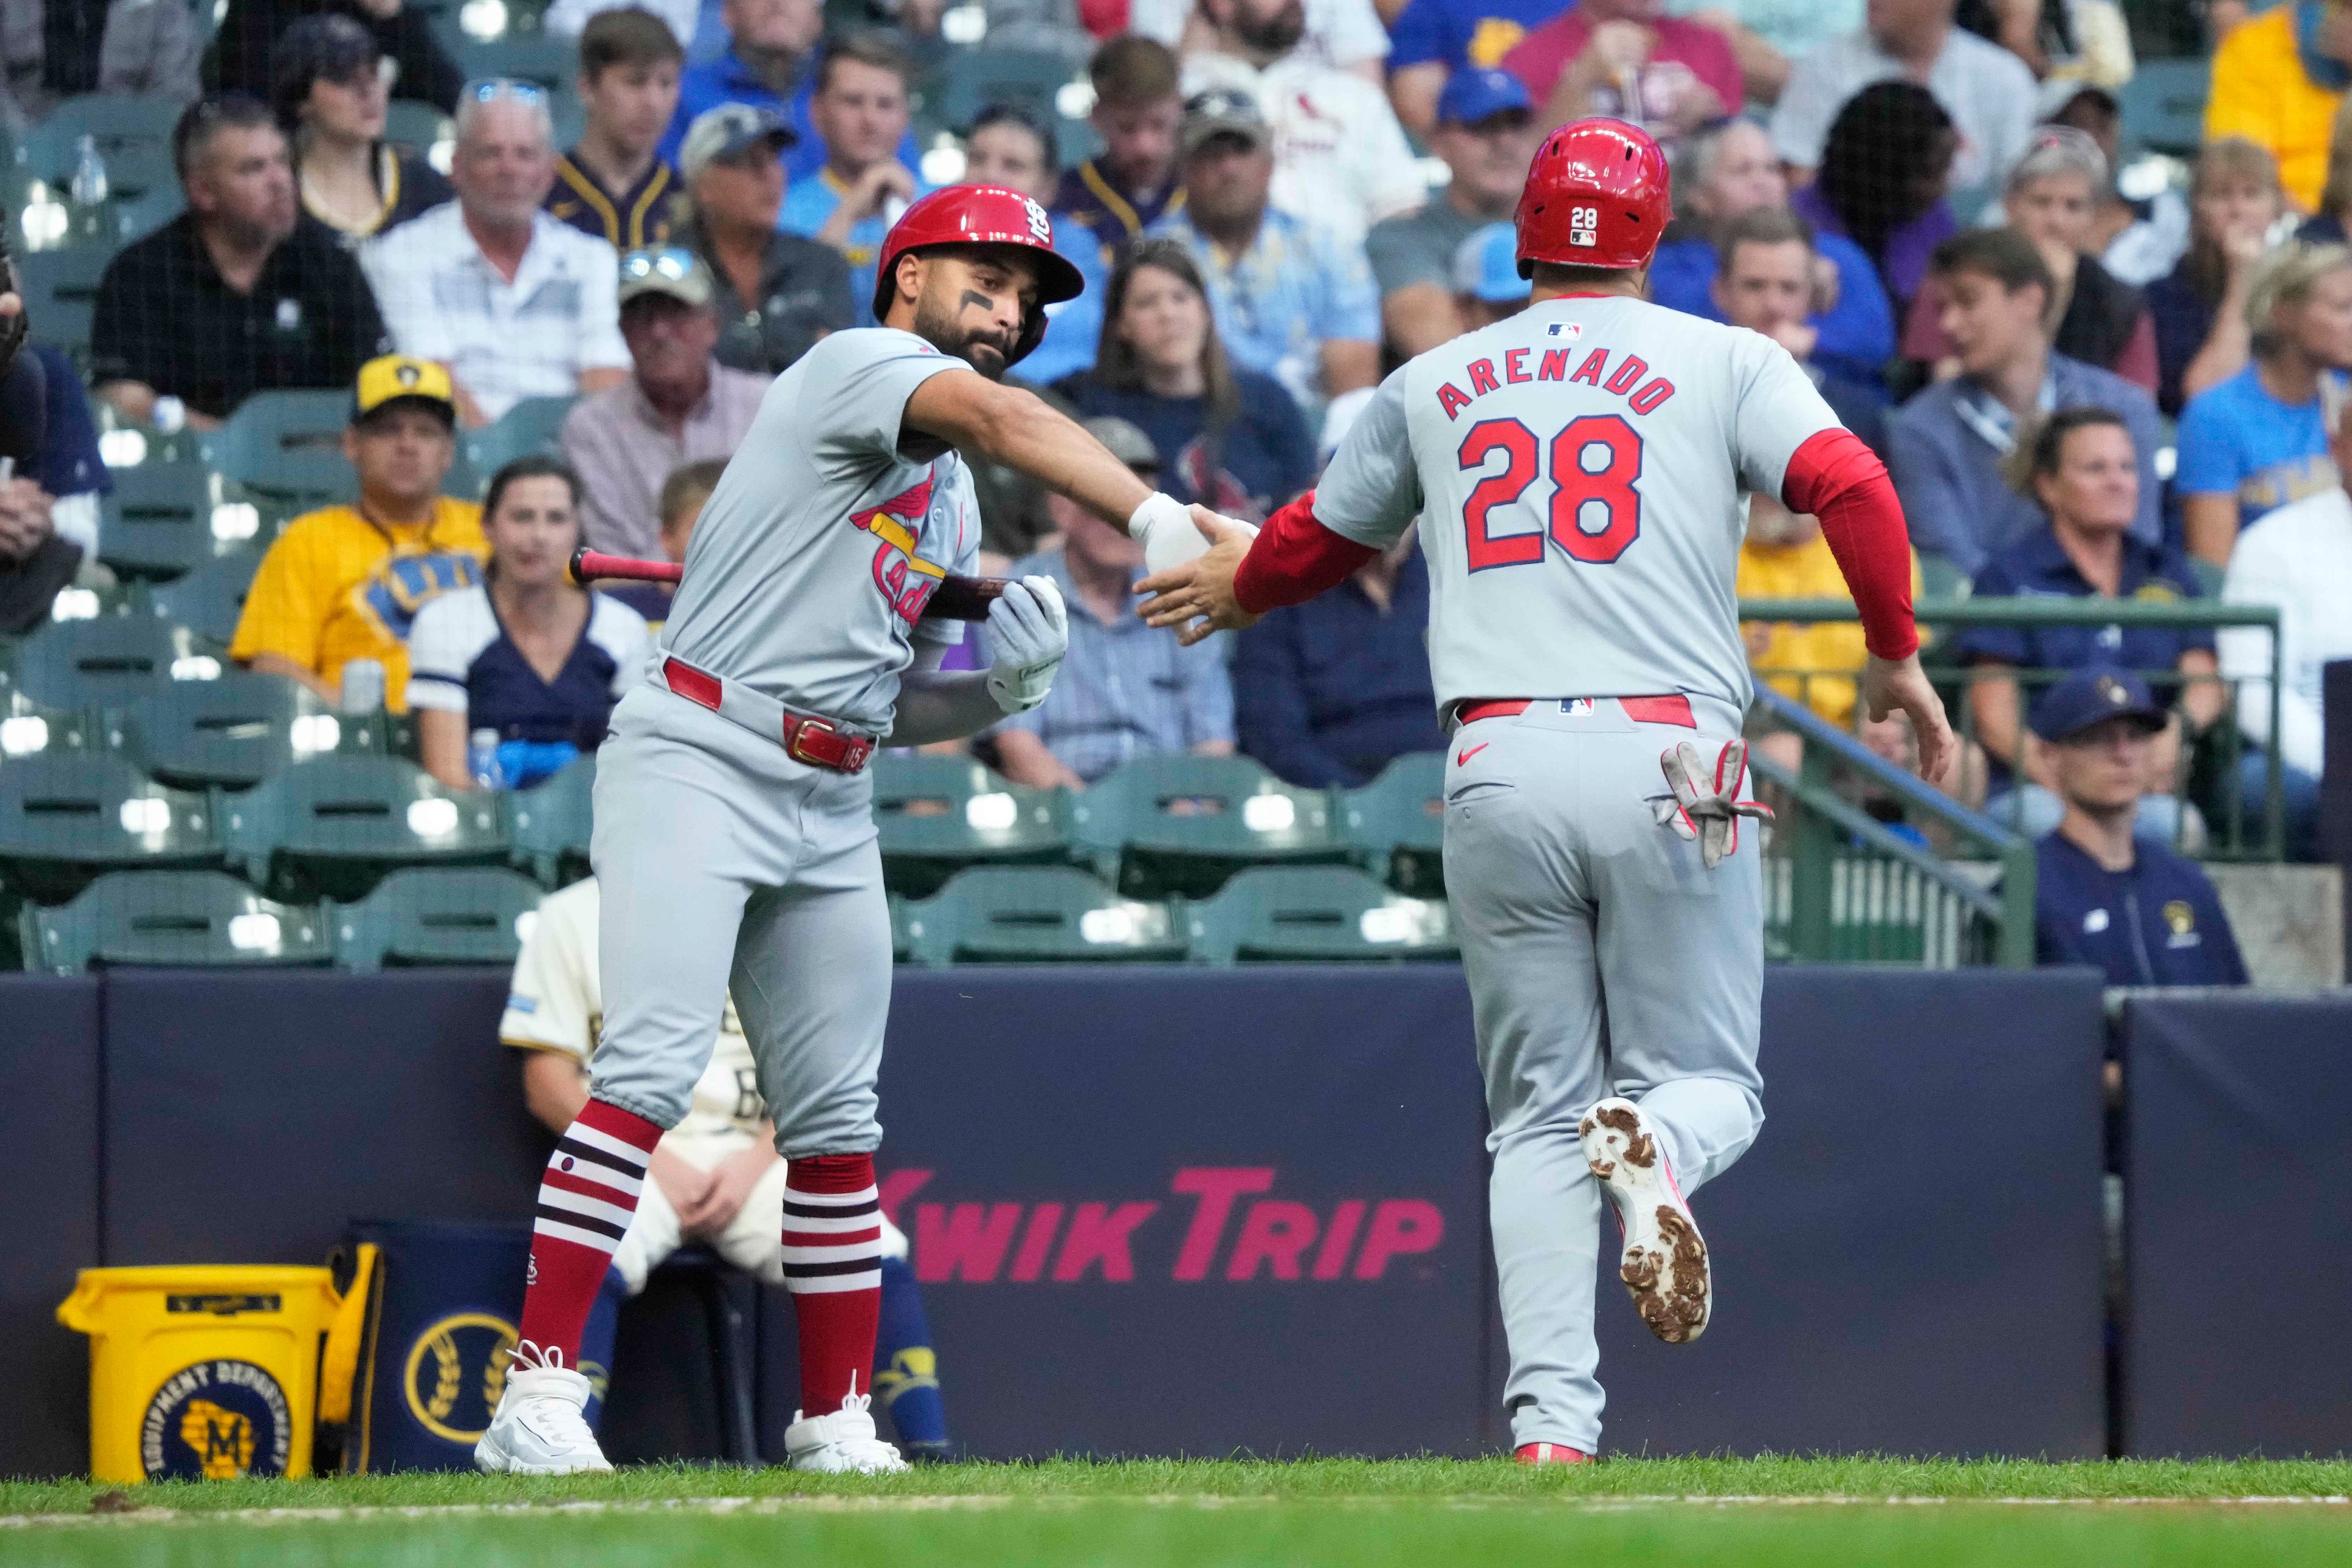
(201,1372)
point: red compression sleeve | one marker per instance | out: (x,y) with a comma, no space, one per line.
(1294,558)
(1838,479)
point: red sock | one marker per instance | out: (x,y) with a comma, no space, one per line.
(833,1266)
(585,1202)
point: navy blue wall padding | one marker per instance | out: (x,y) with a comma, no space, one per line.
(48,1217)
(2240,1230)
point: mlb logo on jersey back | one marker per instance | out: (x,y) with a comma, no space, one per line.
(1571,330)
(1576,706)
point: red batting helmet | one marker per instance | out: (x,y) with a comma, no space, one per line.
(982,215)
(1596,197)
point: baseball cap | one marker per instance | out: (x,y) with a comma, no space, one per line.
(2093,696)
(393,377)
(1125,439)
(1472,96)
(1486,265)
(1224,111)
(729,130)
(671,270)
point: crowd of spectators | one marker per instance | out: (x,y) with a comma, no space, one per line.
(1928,205)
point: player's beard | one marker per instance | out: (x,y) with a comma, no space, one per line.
(988,352)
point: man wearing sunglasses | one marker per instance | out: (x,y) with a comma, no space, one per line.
(735,843)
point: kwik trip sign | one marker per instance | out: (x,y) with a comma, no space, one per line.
(1215,1222)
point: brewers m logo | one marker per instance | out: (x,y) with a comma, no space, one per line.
(216,1421)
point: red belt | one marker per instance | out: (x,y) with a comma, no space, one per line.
(819,742)
(1675,708)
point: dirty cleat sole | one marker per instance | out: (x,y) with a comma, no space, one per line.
(1664,1265)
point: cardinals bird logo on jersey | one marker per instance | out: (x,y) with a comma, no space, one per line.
(905,578)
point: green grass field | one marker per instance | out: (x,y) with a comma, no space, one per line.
(1760,1513)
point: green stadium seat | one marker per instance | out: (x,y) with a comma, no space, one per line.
(549,59)
(176,918)
(29,729)
(1398,822)
(1296,913)
(132,134)
(209,600)
(164,518)
(435,916)
(1029,914)
(107,662)
(140,215)
(419,125)
(978,77)
(287,443)
(60,293)
(1184,824)
(2164,104)
(64,817)
(549,825)
(333,827)
(938,815)
(526,429)
(233,733)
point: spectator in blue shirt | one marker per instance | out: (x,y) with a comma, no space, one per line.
(861,115)
(1008,145)
(1764,282)
(1331,691)
(1126,690)
(1729,171)
(1435,38)
(1946,447)
(770,63)
(2258,439)
(2081,470)
(1233,440)
(2105,895)
(1289,302)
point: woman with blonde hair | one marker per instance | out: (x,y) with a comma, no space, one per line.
(2235,200)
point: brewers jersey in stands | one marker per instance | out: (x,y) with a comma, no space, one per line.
(1580,469)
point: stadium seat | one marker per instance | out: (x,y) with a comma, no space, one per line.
(233,733)
(549,59)
(142,214)
(2164,104)
(938,815)
(1276,913)
(1184,824)
(64,817)
(549,824)
(132,134)
(29,729)
(437,916)
(173,919)
(1014,914)
(288,444)
(1398,822)
(529,428)
(107,662)
(164,518)
(61,292)
(209,600)
(975,78)
(333,827)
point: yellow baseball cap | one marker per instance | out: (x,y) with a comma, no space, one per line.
(395,376)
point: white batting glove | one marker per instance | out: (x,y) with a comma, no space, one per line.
(1705,805)
(1030,629)
(1164,527)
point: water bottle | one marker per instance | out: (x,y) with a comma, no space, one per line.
(87,186)
(482,760)
(362,687)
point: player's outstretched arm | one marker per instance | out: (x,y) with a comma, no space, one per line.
(1247,571)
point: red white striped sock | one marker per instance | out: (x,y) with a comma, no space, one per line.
(585,1202)
(833,1266)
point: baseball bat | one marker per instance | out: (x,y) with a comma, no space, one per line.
(957,598)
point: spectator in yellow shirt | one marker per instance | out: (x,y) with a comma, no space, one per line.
(345,582)
(1785,557)
(2266,89)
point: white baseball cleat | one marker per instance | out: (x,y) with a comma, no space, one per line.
(1664,1265)
(841,1444)
(540,1429)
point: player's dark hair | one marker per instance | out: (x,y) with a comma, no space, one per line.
(1568,276)
(531,467)
(1886,161)
(1116,364)
(627,36)
(1131,70)
(868,48)
(2038,458)
(1765,226)
(2004,255)
(687,487)
(207,118)
(1021,116)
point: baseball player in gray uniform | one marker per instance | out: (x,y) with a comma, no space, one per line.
(734,839)
(1581,471)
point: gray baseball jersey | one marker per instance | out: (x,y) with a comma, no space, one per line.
(1580,470)
(809,570)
